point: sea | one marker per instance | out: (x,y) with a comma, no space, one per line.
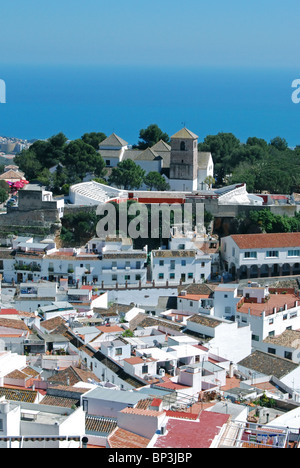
(43,100)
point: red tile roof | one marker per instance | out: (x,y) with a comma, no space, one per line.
(125,439)
(192,434)
(263,241)
(278,301)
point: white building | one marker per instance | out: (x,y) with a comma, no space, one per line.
(261,255)
(25,425)
(10,362)
(108,263)
(224,338)
(183,167)
(270,313)
(187,266)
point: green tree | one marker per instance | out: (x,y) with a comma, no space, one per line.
(82,158)
(279,143)
(3,195)
(127,174)
(29,164)
(221,146)
(154,180)
(93,139)
(151,135)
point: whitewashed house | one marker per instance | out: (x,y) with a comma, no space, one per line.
(108,263)
(219,335)
(261,255)
(27,425)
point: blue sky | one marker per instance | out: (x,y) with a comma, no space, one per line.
(160,32)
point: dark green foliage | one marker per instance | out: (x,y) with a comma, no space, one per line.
(72,160)
(271,167)
(155,181)
(93,139)
(127,175)
(78,227)
(151,135)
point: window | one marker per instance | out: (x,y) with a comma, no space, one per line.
(190,275)
(172,265)
(127,277)
(288,355)
(137,277)
(138,265)
(272,254)
(145,369)
(294,253)
(182,146)
(85,405)
(255,338)
(118,351)
(114,277)
(172,275)
(161,262)
(183,262)
(272,333)
(1,425)
(250,254)
(271,351)
(161,276)
(233,251)
(108,162)
(191,303)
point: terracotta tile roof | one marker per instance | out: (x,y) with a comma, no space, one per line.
(25,373)
(194,297)
(144,404)
(138,360)
(205,321)
(143,412)
(73,375)
(268,364)
(172,385)
(263,241)
(52,400)
(125,439)
(110,329)
(278,301)
(52,323)
(182,415)
(18,394)
(10,323)
(100,424)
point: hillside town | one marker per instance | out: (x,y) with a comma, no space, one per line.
(180,337)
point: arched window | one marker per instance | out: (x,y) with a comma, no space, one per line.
(182,146)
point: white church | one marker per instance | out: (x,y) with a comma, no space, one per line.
(183,166)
